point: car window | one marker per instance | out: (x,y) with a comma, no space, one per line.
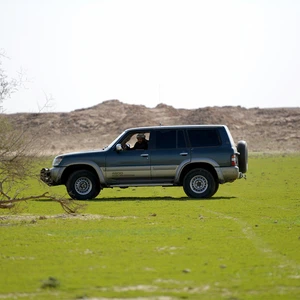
(170,139)
(131,140)
(204,137)
(165,139)
(133,137)
(180,139)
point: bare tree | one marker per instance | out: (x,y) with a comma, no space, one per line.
(7,86)
(16,155)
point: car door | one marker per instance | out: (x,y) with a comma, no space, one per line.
(127,167)
(205,144)
(170,153)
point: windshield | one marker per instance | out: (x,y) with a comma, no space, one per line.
(113,142)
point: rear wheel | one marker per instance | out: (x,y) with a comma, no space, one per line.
(200,183)
(83,185)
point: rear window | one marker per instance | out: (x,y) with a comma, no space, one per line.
(204,137)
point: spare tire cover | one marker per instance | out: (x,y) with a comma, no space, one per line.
(243,156)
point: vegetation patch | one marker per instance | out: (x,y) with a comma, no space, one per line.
(155,243)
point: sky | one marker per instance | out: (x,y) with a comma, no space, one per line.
(184,53)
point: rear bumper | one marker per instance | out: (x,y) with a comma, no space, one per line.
(228,174)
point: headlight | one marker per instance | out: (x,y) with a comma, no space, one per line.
(57,160)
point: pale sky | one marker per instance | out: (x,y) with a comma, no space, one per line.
(184,53)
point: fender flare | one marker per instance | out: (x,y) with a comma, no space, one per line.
(91,164)
(207,161)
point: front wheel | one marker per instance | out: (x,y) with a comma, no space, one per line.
(83,185)
(200,183)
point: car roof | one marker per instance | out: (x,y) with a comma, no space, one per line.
(147,128)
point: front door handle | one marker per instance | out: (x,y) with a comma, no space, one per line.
(144,155)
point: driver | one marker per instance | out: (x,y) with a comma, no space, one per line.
(142,143)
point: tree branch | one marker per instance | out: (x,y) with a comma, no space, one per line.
(69,206)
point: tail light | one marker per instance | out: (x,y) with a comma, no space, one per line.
(234,161)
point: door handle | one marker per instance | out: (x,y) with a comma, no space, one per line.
(144,155)
(183,153)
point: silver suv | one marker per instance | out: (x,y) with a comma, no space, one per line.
(197,157)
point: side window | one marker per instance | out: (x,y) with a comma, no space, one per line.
(204,137)
(180,139)
(165,139)
(136,141)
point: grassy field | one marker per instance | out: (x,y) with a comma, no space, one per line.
(155,243)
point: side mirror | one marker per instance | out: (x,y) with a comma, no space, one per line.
(119,147)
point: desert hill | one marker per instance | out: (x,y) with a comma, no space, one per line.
(265,130)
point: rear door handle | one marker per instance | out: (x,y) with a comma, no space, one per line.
(144,155)
(183,153)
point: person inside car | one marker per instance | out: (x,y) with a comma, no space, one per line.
(142,143)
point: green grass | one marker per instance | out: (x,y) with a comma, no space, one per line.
(155,243)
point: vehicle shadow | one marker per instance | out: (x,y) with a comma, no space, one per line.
(164,198)
(159,198)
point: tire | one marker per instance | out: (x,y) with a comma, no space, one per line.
(83,185)
(242,148)
(216,188)
(200,183)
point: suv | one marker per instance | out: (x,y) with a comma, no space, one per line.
(197,157)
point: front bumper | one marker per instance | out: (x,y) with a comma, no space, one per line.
(45,176)
(52,176)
